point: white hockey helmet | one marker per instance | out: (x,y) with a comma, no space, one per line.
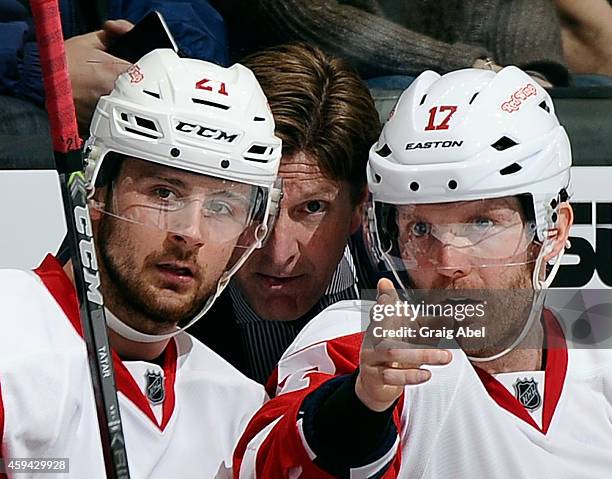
(188,114)
(472,134)
(193,116)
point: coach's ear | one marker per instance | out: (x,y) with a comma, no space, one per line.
(358,209)
(565,219)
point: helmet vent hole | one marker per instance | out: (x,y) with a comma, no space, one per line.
(414,186)
(138,125)
(140,133)
(259,118)
(210,103)
(452,184)
(145,123)
(257,149)
(544,106)
(258,153)
(152,93)
(377,178)
(511,169)
(423,99)
(504,143)
(384,151)
(474,97)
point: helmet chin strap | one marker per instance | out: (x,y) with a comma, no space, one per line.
(537,302)
(132,334)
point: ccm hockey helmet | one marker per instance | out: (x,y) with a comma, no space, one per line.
(192,116)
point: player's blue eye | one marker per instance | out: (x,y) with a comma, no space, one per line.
(216,207)
(483,223)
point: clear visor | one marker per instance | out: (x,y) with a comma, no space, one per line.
(206,209)
(481,233)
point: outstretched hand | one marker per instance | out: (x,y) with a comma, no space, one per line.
(389,365)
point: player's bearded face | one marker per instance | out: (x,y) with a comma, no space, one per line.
(154,279)
(503,295)
(502,292)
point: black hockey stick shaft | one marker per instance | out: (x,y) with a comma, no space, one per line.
(67,146)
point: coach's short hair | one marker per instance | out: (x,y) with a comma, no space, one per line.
(321,107)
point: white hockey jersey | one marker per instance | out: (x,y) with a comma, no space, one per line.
(47,407)
(463,423)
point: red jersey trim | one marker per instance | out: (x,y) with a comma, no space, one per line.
(555,372)
(61,288)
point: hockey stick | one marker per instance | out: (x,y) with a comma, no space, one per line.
(69,165)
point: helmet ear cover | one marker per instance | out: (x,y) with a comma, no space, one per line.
(109,169)
(526,202)
(388,221)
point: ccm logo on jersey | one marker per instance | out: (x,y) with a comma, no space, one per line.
(518,97)
(207,132)
(434,144)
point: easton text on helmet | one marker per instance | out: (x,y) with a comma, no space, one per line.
(434,144)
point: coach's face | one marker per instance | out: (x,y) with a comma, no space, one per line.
(287,277)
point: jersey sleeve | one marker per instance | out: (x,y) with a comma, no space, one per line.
(275,443)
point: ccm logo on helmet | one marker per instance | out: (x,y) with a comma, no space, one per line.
(206,132)
(434,144)
(518,97)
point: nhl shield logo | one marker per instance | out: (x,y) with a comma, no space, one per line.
(526,391)
(155,387)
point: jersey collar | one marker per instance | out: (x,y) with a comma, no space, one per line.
(555,372)
(61,288)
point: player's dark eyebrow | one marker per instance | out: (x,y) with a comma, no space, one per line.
(168,179)
(219,192)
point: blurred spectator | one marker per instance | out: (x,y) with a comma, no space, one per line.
(327,121)
(587,35)
(197,27)
(389,37)
(93,71)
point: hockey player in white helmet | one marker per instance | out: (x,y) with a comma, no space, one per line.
(469,185)
(181,164)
